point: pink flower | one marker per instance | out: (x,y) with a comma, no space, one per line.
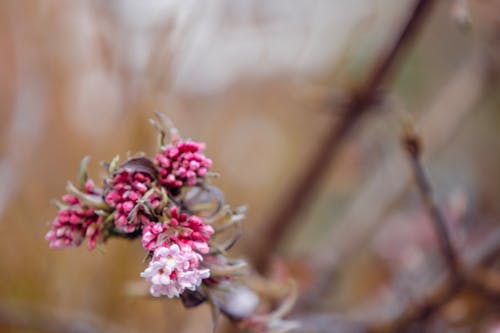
(154,235)
(192,230)
(174,269)
(73,224)
(127,188)
(183,229)
(182,163)
(63,234)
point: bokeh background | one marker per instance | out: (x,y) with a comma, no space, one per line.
(259,82)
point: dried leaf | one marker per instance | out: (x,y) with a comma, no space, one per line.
(113,164)
(91,200)
(206,201)
(140,164)
(191,299)
(83,175)
(233,268)
(171,133)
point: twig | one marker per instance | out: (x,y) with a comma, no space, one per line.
(422,311)
(454,103)
(427,307)
(360,103)
(410,313)
(413,146)
(485,282)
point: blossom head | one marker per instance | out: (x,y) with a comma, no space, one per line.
(72,224)
(174,269)
(155,235)
(182,229)
(182,163)
(193,232)
(127,188)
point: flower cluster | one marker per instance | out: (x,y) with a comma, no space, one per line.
(136,201)
(182,163)
(168,202)
(177,245)
(74,222)
(127,188)
(182,229)
(174,269)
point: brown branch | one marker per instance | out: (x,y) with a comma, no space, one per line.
(411,313)
(469,275)
(483,281)
(365,214)
(359,104)
(453,104)
(486,282)
(456,277)
(413,146)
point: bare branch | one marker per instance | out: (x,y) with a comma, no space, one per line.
(413,146)
(453,104)
(360,103)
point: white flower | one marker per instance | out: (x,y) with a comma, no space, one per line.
(174,269)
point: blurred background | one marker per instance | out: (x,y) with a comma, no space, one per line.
(261,83)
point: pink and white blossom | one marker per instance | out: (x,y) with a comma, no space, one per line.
(155,235)
(174,269)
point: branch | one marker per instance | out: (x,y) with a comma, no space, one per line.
(379,193)
(413,146)
(359,104)
(410,313)
(483,281)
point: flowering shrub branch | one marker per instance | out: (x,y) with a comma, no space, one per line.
(169,203)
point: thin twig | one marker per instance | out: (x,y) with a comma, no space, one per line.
(454,103)
(472,277)
(360,103)
(413,146)
(458,278)
(411,313)
(486,282)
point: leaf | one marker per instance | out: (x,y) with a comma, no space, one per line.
(91,200)
(112,165)
(206,201)
(140,164)
(222,248)
(83,175)
(171,133)
(161,133)
(228,270)
(191,299)
(283,308)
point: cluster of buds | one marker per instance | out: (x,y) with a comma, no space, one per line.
(76,220)
(168,202)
